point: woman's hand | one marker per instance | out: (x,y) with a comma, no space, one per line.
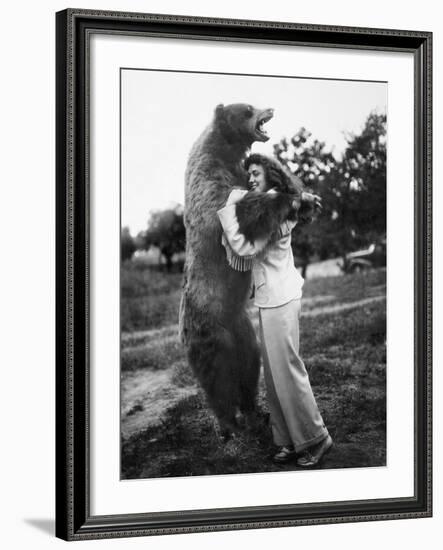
(314,200)
(295,204)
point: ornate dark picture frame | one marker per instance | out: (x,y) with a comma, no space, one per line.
(73,517)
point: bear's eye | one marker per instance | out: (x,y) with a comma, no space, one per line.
(249,111)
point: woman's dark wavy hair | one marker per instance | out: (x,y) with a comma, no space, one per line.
(275,175)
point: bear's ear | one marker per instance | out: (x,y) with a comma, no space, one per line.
(219,111)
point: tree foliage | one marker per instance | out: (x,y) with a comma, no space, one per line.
(308,159)
(353,189)
(166,230)
(128,245)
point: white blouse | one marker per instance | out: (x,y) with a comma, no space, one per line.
(276,279)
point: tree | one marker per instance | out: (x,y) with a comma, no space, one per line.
(127,243)
(353,189)
(166,230)
(364,171)
(357,187)
(308,159)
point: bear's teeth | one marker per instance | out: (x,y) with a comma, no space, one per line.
(260,127)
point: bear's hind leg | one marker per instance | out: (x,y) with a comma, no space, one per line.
(212,358)
(249,369)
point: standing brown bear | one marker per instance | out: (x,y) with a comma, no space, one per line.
(220,340)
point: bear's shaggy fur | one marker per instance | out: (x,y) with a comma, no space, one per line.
(221,344)
(260,214)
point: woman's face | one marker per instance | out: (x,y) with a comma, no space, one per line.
(257,179)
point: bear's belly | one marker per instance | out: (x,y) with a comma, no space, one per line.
(217,288)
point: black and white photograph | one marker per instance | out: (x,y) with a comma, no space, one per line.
(253,273)
(220,236)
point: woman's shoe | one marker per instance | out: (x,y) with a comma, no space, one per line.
(312,457)
(285,454)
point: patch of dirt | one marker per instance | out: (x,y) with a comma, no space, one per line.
(314,300)
(146,396)
(341,307)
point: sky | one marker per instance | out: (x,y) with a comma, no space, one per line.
(163,113)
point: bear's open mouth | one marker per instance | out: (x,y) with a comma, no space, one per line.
(261,121)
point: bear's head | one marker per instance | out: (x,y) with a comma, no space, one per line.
(242,123)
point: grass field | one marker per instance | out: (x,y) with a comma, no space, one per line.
(167,429)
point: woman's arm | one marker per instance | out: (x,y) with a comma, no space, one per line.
(254,219)
(237,240)
(313,199)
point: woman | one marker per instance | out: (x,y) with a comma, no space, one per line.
(297,426)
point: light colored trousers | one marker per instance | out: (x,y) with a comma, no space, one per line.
(295,418)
